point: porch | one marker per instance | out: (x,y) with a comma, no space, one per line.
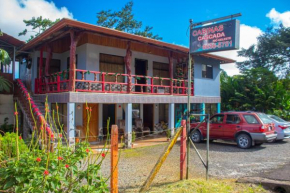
(105,82)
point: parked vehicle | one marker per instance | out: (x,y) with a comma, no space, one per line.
(246,128)
(282,127)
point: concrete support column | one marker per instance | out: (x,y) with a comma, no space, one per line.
(218,107)
(128,125)
(156,113)
(71,122)
(202,110)
(171,118)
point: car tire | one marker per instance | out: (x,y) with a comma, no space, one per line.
(195,136)
(244,141)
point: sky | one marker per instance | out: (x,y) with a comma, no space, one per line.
(169,19)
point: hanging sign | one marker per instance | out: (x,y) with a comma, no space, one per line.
(216,37)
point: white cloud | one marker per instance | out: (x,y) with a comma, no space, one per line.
(12,13)
(248,37)
(278,18)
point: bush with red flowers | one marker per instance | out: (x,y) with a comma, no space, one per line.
(32,168)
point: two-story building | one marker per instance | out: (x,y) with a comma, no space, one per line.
(119,75)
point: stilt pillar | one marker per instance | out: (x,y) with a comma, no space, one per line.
(128,125)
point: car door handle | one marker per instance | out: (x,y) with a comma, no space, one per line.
(220,126)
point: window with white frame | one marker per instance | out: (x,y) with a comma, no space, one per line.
(207,71)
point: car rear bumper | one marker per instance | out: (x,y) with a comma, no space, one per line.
(262,137)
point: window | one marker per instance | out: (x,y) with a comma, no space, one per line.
(113,64)
(163,112)
(207,71)
(210,108)
(217,119)
(233,119)
(54,66)
(161,70)
(251,119)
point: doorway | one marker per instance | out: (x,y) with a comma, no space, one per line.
(109,110)
(141,69)
(93,124)
(148,115)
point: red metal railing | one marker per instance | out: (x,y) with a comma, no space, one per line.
(54,83)
(104,82)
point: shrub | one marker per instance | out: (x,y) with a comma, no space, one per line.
(33,168)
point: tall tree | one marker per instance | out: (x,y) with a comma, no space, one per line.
(38,26)
(123,20)
(272,51)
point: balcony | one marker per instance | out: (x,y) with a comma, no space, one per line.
(104,82)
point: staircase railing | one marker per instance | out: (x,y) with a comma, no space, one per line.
(35,118)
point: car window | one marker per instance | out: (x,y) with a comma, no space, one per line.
(276,118)
(233,119)
(251,119)
(265,119)
(217,119)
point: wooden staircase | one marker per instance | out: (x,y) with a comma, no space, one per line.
(34,117)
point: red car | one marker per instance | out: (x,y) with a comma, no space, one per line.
(246,128)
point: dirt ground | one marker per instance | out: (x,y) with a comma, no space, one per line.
(226,160)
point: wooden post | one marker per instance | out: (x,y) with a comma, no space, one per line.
(170,58)
(128,59)
(74,38)
(114,159)
(159,163)
(183,150)
(40,63)
(58,82)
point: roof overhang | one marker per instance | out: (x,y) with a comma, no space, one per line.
(9,43)
(65,24)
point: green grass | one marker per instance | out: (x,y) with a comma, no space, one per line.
(210,186)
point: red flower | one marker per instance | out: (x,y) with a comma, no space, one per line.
(52,135)
(60,158)
(20,137)
(60,135)
(103,154)
(56,106)
(16,129)
(16,113)
(91,109)
(87,150)
(29,98)
(87,108)
(66,165)
(46,172)
(38,159)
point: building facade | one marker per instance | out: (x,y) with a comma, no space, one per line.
(116,75)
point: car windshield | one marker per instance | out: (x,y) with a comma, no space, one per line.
(276,118)
(265,119)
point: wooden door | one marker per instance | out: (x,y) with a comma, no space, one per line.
(148,115)
(93,123)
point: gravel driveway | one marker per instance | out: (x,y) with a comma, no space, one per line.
(226,161)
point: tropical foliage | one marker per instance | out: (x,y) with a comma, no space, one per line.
(4,57)
(38,25)
(272,52)
(124,20)
(257,89)
(33,167)
(5,85)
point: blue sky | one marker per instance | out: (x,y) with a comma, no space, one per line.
(169,19)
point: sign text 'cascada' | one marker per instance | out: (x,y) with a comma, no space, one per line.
(216,37)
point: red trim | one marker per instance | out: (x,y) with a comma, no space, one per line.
(58,82)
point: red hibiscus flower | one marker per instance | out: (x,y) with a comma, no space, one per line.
(87,150)
(103,154)
(46,172)
(60,158)
(66,165)
(20,137)
(38,159)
